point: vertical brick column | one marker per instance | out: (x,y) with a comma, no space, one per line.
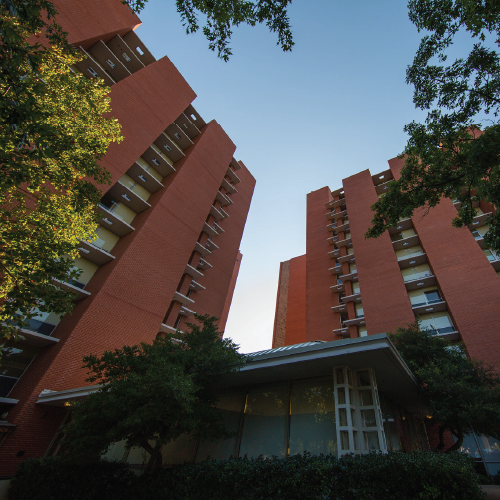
(470,285)
(385,300)
(281,305)
(319,316)
(296,302)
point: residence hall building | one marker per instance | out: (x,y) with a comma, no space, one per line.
(349,287)
(168,241)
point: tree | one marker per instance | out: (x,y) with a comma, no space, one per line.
(222,15)
(455,153)
(462,395)
(153,393)
(52,135)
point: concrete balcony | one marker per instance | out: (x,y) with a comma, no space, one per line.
(343,332)
(479,220)
(414,260)
(429,307)
(113,222)
(335,204)
(215,213)
(158,160)
(36,339)
(340,308)
(196,287)
(336,270)
(383,177)
(402,225)
(140,50)
(179,136)
(218,228)
(222,199)
(343,243)
(228,186)
(194,116)
(79,293)
(211,245)
(186,312)
(330,227)
(356,321)
(203,264)
(169,148)
(406,242)
(194,273)
(126,196)
(495,264)
(209,230)
(420,282)
(332,239)
(342,228)
(349,277)
(91,68)
(338,288)
(168,329)
(225,215)
(234,164)
(203,251)
(187,126)
(329,215)
(383,188)
(144,178)
(232,175)
(108,60)
(347,258)
(352,298)
(340,215)
(186,301)
(94,254)
(334,253)
(125,54)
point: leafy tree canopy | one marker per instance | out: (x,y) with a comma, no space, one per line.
(153,393)
(52,135)
(461,394)
(222,15)
(454,154)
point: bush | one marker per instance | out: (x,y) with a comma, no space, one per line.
(422,475)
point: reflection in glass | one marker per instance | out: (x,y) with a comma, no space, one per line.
(490,448)
(344,438)
(264,428)
(364,378)
(312,420)
(231,406)
(371,440)
(366,398)
(368,418)
(343,417)
(341,395)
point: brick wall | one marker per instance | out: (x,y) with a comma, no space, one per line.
(230,292)
(296,302)
(281,305)
(319,298)
(385,300)
(467,280)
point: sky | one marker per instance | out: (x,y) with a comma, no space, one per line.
(301,120)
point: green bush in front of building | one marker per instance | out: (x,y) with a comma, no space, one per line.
(397,475)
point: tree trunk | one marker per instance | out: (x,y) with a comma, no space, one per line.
(155,459)
(458,444)
(440,446)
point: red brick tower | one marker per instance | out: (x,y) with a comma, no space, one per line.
(168,241)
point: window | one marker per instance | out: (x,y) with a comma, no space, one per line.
(405,253)
(439,322)
(127,197)
(417,272)
(167,147)
(186,126)
(480,232)
(407,233)
(143,179)
(362,331)
(359,311)
(432,296)
(126,57)
(155,161)
(92,71)
(490,255)
(424,296)
(177,135)
(110,63)
(352,268)
(16,358)
(139,51)
(355,288)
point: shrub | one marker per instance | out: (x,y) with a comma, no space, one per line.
(416,475)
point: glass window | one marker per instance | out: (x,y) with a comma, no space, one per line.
(490,448)
(352,268)
(312,420)
(16,357)
(355,288)
(359,310)
(443,322)
(362,332)
(469,446)
(409,274)
(266,415)
(417,297)
(371,440)
(432,296)
(231,406)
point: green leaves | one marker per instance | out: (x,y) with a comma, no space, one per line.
(461,395)
(448,156)
(53,134)
(221,15)
(154,392)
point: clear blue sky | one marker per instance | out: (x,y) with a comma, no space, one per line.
(301,120)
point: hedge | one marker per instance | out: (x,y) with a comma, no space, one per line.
(416,475)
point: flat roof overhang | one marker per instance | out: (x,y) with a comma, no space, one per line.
(394,378)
